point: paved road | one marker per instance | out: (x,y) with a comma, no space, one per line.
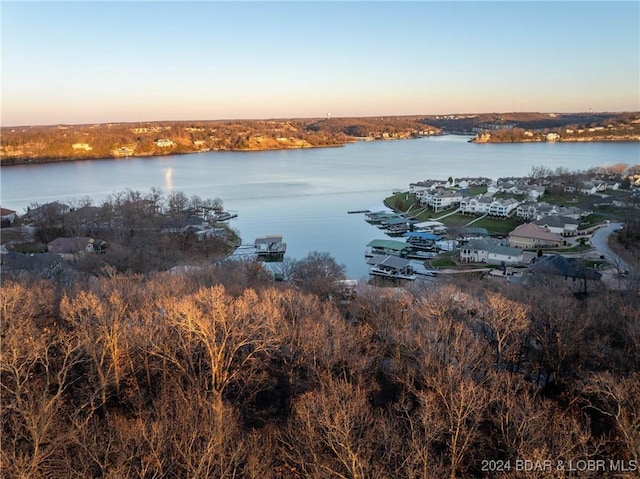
(599,242)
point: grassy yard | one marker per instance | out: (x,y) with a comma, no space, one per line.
(497,225)
(444,260)
(401,201)
(493,225)
(442,263)
(589,221)
(476,190)
(507,196)
(568,199)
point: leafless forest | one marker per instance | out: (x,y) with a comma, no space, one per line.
(229,374)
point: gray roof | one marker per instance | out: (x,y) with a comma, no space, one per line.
(493,246)
(388,244)
(561,266)
(394,262)
(69,245)
(555,221)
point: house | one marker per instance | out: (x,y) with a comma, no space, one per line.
(562,225)
(47,211)
(67,247)
(7,216)
(270,248)
(124,151)
(195,225)
(471,181)
(81,146)
(476,205)
(425,185)
(568,268)
(510,181)
(489,251)
(503,208)
(534,211)
(530,235)
(535,192)
(592,187)
(164,143)
(441,199)
(483,205)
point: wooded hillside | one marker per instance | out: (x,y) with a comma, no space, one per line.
(227,374)
(68,142)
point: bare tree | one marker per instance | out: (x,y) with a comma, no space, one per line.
(618,399)
(36,364)
(234,333)
(331,433)
(505,324)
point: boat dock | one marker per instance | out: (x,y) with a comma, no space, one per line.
(391,267)
(224,215)
(270,249)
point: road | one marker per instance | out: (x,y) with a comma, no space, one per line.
(599,242)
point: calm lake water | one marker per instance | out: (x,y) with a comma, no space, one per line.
(303,194)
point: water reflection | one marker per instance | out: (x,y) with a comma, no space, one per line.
(168,178)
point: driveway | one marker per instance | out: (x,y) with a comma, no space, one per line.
(599,242)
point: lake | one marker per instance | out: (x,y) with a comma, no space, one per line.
(303,194)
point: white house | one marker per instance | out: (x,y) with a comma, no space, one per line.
(489,251)
(535,192)
(441,199)
(503,208)
(562,225)
(482,205)
(476,205)
(82,146)
(426,185)
(164,143)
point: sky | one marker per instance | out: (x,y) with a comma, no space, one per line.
(97,62)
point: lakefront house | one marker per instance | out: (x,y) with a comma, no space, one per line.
(531,236)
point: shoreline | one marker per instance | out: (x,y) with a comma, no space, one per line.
(38,161)
(567,140)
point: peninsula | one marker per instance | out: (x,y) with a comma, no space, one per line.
(116,140)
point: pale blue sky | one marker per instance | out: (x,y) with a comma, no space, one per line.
(90,62)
